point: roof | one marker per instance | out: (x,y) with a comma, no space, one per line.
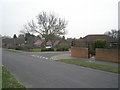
(49,43)
(91,38)
(56,43)
(38,42)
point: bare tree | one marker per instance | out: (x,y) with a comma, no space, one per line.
(27,28)
(48,26)
(113,33)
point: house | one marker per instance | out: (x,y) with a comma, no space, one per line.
(56,43)
(90,38)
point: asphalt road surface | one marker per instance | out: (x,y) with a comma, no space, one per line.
(39,70)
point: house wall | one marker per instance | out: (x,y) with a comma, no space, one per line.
(107,54)
(79,52)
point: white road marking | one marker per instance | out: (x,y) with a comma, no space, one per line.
(43,58)
(82,67)
(33,55)
(37,56)
(53,59)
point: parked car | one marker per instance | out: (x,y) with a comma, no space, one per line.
(48,47)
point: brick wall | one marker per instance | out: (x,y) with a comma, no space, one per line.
(79,52)
(107,54)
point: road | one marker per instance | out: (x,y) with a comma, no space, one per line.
(38,70)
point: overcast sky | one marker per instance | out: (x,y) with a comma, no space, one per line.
(84,16)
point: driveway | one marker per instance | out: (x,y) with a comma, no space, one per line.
(39,70)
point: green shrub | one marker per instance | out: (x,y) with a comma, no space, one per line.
(100,43)
(24,47)
(62,49)
(47,49)
(11,46)
(19,48)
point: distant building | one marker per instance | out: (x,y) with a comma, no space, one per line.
(4,37)
(11,42)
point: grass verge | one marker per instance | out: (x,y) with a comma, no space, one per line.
(9,81)
(113,61)
(0,77)
(35,50)
(13,50)
(92,65)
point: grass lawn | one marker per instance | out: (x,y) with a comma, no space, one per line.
(9,81)
(35,50)
(92,65)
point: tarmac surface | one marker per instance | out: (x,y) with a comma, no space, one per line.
(40,70)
